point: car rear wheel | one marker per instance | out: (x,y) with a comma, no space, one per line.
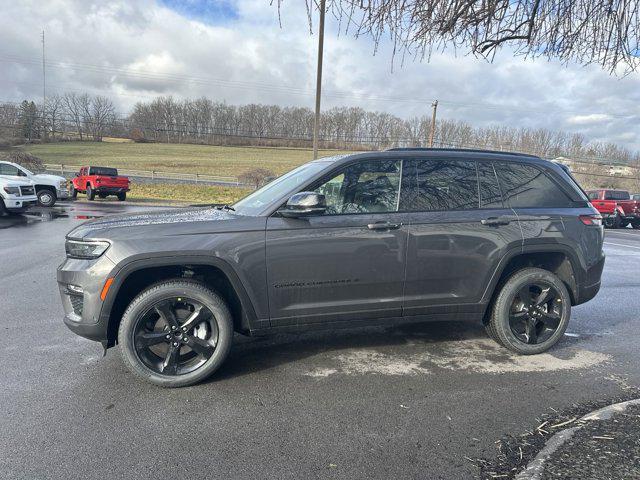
(90,193)
(122,196)
(73,192)
(102,195)
(612,222)
(531,312)
(176,333)
(46,197)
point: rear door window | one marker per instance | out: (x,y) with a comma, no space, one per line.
(439,184)
(490,194)
(525,186)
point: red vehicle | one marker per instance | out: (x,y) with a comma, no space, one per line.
(101,181)
(616,207)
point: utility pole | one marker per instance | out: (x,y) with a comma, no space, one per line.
(432,130)
(44,91)
(316,122)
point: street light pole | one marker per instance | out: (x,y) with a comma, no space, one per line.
(316,122)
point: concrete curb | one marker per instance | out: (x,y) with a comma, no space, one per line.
(535,468)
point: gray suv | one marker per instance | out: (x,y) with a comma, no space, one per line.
(404,235)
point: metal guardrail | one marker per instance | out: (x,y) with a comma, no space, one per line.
(153,175)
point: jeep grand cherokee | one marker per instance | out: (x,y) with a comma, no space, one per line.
(405,235)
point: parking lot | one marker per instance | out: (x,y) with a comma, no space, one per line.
(420,401)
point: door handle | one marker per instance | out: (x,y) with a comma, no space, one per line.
(384,226)
(495,221)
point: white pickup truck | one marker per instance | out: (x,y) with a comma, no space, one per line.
(17,194)
(49,188)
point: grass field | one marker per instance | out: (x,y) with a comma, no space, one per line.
(162,157)
(185,193)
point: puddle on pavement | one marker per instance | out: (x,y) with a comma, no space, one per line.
(38,216)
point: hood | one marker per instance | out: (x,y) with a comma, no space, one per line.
(149,224)
(15,181)
(45,177)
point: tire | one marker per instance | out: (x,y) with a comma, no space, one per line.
(635,224)
(73,192)
(102,195)
(90,193)
(624,224)
(536,323)
(3,209)
(46,197)
(122,196)
(135,322)
(612,222)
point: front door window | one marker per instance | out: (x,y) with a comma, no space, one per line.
(364,187)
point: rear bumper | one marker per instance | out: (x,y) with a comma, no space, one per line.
(590,285)
(111,190)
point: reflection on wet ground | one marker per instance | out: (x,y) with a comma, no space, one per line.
(62,211)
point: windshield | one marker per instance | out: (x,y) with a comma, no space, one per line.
(255,202)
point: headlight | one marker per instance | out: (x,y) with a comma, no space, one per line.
(12,190)
(86,250)
(63,184)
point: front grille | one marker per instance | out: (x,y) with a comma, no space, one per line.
(76,303)
(24,191)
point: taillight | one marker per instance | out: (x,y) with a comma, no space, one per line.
(591,219)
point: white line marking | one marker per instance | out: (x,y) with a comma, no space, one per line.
(637,235)
(621,245)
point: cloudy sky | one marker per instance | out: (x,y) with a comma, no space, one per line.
(236,51)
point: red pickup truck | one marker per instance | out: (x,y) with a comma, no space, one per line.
(101,181)
(616,207)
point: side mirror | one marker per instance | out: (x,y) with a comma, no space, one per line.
(304,204)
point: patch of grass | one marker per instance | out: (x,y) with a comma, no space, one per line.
(171,157)
(186,192)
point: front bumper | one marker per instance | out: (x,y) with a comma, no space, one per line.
(83,308)
(18,204)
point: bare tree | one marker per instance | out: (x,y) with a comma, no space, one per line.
(256,176)
(584,31)
(76,106)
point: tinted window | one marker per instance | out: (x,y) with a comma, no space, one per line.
(107,172)
(616,195)
(432,185)
(363,187)
(490,194)
(525,186)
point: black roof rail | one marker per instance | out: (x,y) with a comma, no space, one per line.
(463,150)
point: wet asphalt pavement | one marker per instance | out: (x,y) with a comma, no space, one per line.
(423,401)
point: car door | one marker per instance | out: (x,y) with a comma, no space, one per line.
(346,264)
(459,231)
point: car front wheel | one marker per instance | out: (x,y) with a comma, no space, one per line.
(46,197)
(531,312)
(90,193)
(176,333)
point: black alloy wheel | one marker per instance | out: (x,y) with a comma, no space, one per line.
(536,312)
(176,336)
